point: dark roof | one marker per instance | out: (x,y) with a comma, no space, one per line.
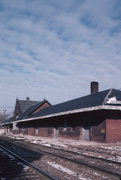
(31,109)
(91,100)
(24,104)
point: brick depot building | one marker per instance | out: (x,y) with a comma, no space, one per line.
(95,117)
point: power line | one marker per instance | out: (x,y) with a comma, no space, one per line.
(5,107)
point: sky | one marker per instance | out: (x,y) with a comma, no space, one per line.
(53,49)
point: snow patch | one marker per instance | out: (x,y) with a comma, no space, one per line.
(23,165)
(26,168)
(66,170)
(34,141)
(113,100)
(46,144)
(59,167)
(20,163)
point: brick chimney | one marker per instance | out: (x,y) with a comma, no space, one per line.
(94,87)
(27,99)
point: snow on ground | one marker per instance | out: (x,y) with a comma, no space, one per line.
(47,141)
(60,167)
(24,166)
(67,144)
(118,148)
(66,170)
(54,142)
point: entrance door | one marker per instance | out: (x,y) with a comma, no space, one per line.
(86,133)
(36,131)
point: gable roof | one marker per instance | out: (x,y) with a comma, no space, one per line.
(92,102)
(27,112)
(24,104)
(32,108)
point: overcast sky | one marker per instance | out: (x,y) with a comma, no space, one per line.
(53,49)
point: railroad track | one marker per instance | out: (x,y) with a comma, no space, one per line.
(106,166)
(31,173)
(84,161)
(99,150)
(85,154)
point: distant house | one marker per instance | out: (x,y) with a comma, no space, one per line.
(22,105)
(33,110)
(24,108)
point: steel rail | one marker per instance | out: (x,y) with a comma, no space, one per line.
(38,170)
(85,155)
(82,162)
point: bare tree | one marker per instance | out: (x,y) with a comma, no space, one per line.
(4,115)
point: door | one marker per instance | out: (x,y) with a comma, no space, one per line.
(86,133)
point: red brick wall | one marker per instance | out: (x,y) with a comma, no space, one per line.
(98,133)
(113,130)
(45,105)
(31,131)
(43,132)
(69,132)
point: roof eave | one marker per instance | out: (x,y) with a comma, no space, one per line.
(94,108)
